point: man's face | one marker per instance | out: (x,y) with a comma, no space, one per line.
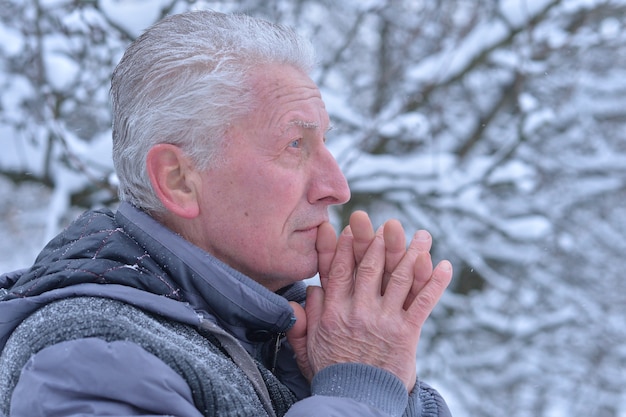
(260,208)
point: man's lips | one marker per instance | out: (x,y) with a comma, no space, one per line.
(310,228)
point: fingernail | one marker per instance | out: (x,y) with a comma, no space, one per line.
(422,236)
(445,266)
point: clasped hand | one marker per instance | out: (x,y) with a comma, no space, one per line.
(374,298)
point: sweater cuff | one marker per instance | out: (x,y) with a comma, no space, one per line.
(425,401)
(363,383)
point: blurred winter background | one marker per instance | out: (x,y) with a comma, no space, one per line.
(498,125)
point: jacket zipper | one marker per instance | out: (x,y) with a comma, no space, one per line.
(277,343)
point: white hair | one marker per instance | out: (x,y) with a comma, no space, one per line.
(183,82)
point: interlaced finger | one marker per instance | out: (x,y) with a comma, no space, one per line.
(395,248)
(431,292)
(422,271)
(369,272)
(363,233)
(422,242)
(340,283)
(401,279)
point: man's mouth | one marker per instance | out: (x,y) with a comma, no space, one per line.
(309,229)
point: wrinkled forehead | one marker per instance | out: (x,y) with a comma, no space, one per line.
(287,98)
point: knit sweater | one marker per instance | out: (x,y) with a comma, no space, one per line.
(218,385)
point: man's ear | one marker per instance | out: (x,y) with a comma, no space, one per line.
(174,179)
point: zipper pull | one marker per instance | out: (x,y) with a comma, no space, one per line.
(277,344)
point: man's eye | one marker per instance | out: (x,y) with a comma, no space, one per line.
(294,143)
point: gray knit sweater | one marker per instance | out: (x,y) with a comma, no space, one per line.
(196,357)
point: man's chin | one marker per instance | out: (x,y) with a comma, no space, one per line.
(303,268)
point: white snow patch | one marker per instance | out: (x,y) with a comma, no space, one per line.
(518,12)
(527,227)
(11,40)
(134,16)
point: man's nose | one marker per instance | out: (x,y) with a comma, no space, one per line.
(328,183)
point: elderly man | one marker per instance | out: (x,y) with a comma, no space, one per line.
(188,300)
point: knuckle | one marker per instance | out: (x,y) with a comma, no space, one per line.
(400,277)
(339,270)
(369,267)
(425,302)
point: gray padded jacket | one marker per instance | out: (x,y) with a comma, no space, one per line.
(120,316)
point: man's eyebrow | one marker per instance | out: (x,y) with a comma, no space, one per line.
(310,125)
(304,124)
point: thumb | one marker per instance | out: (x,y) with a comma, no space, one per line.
(297,338)
(298,331)
(325,245)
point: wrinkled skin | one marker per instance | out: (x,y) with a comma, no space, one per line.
(374,299)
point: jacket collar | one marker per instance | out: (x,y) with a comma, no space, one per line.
(234,301)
